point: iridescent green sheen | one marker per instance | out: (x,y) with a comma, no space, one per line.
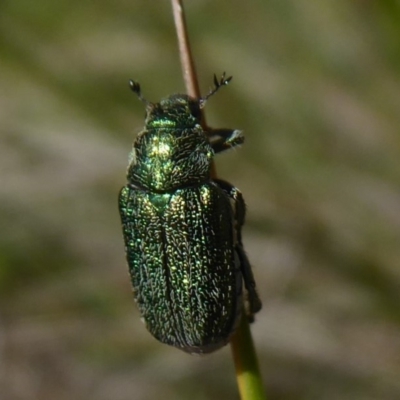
(182,262)
(182,230)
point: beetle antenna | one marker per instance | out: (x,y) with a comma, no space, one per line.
(135,87)
(217,85)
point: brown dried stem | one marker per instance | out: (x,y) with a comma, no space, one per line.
(244,355)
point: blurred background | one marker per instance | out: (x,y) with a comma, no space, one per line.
(317,91)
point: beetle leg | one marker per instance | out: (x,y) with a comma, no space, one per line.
(254,302)
(224,139)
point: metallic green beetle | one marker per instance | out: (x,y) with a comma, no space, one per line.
(182,229)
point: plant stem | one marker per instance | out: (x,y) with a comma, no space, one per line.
(246,364)
(244,355)
(187,61)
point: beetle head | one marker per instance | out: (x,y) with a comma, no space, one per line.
(179,110)
(176,111)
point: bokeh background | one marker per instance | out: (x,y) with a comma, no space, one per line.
(317,91)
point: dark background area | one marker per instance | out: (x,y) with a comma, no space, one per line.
(316,89)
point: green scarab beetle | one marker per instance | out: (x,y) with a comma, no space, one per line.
(182,229)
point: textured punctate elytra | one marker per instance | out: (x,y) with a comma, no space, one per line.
(182,229)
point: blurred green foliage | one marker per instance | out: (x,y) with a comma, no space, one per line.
(317,91)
